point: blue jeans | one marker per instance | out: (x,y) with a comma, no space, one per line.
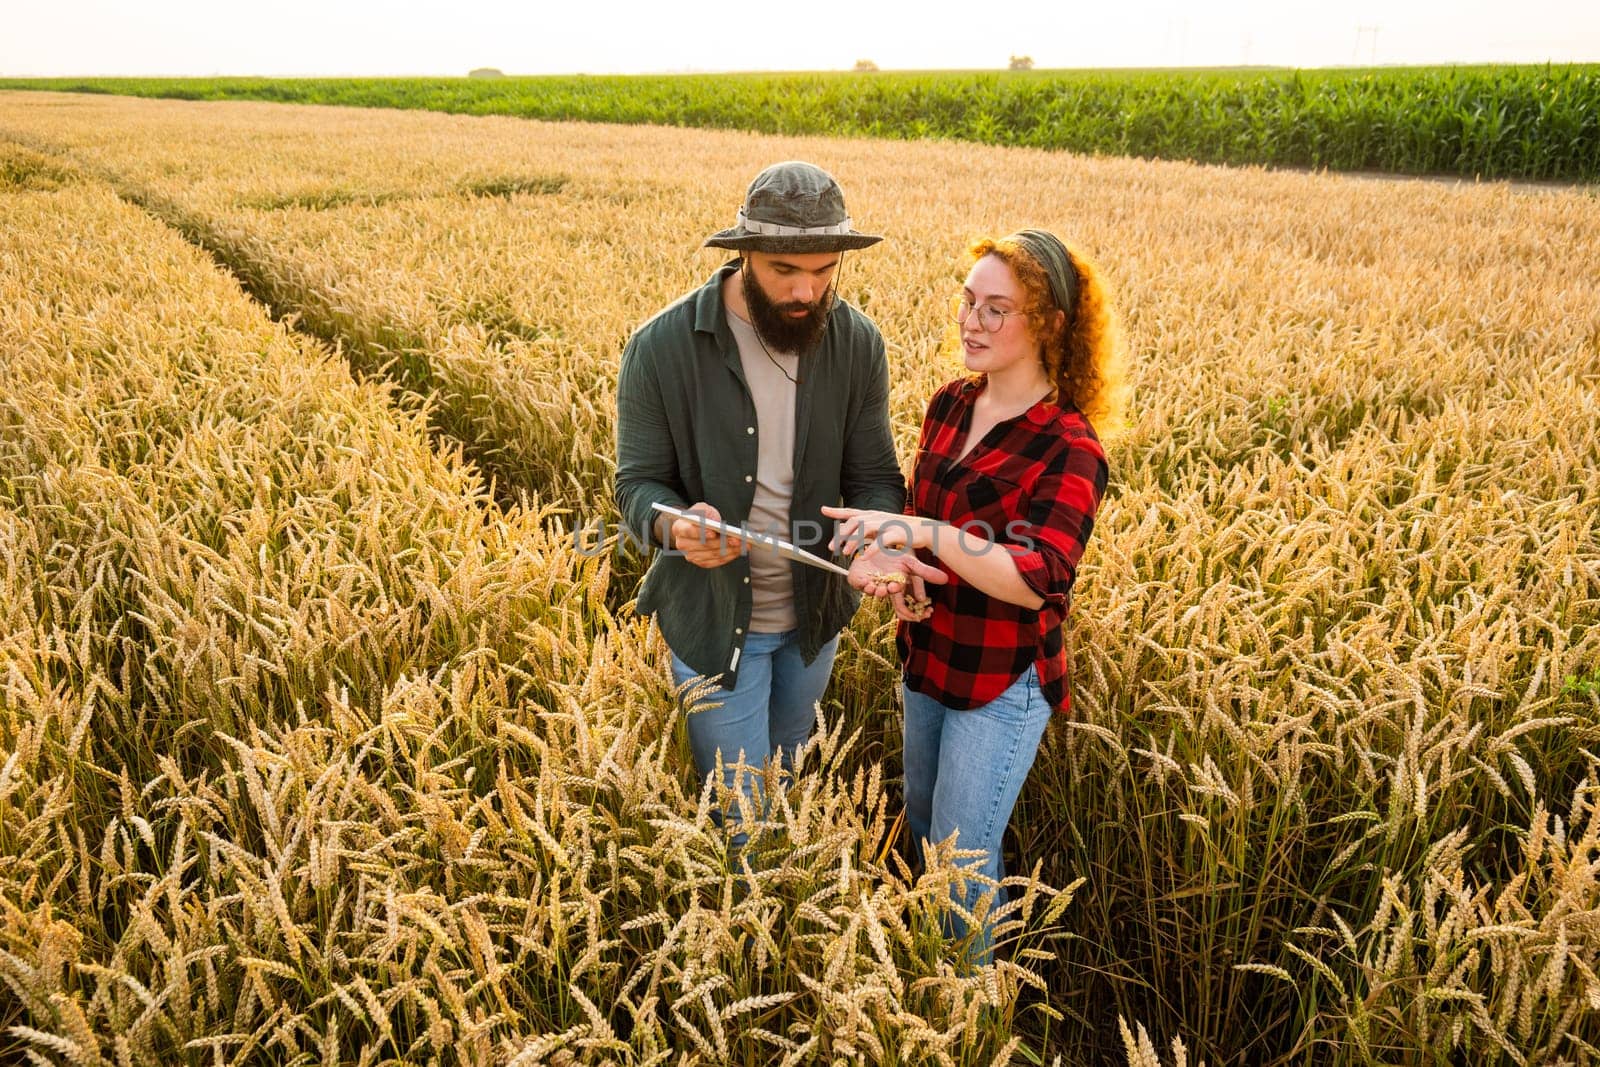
(964,772)
(771,709)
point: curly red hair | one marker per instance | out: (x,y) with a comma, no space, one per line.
(1084,357)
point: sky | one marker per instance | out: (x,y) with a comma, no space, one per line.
(371,37)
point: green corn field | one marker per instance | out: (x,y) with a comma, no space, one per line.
(1528,122)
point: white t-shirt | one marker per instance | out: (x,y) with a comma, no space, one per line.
(771,576)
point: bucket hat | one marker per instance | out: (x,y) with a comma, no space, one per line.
(792,207)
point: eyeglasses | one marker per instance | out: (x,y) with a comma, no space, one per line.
(991,318)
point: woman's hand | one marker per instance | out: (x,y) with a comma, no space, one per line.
(885,574)
(889,529)
(898,575)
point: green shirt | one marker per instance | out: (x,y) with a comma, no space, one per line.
(686,433)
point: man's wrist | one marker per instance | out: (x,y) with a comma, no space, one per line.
(663,531)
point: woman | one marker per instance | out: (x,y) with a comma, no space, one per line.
(1008,475)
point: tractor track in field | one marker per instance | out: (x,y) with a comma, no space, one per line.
(367,359)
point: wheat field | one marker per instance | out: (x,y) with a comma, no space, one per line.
(324,742)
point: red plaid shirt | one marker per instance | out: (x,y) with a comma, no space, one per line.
(1032,485)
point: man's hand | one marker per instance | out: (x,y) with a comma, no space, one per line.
(700,544)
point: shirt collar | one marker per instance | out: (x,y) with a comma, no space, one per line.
(1039,415)
(708,306)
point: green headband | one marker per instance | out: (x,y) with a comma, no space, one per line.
(1048,251)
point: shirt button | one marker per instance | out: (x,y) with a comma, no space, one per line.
(738,629)
(747,580)
(749,478)
(750,429)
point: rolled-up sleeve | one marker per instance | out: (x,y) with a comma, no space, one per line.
(1048,544)
(647,469)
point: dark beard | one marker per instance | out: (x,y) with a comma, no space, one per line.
(776,330)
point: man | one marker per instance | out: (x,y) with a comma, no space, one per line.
(756,399)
